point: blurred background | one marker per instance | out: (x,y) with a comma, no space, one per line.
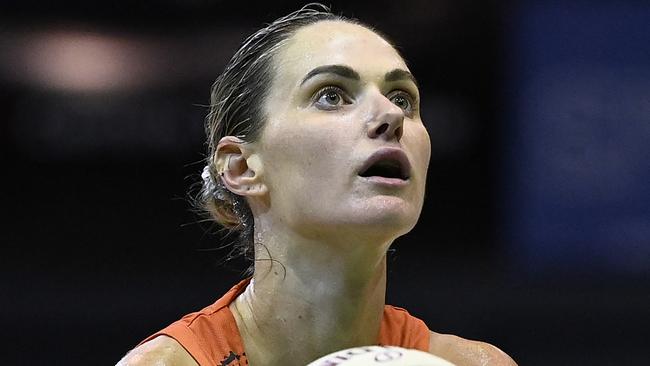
(535,235)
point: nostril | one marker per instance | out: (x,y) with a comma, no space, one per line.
(381,129)
(399,132)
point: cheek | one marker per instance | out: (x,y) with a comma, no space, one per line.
(300,150)
(417,139)
(304,169)
(301,157)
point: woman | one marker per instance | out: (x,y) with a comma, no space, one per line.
(318,157)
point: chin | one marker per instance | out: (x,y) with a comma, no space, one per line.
(379,218)
(389,215)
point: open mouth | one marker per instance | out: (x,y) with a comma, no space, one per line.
(386,169)
(387,163)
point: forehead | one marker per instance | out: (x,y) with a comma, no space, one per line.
(337,43)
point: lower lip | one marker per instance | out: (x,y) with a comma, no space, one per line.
(390,182)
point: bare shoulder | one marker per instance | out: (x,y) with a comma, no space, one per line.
(465,352)
(160,351)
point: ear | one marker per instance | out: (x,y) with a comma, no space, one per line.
(239,168)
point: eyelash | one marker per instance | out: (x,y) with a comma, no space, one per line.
(330,88)
(345,99)
(409,98)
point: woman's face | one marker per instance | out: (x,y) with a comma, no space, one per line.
(343,150)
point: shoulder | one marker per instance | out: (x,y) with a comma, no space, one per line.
(402,317)
(465,352)
(400,328)
(160,351)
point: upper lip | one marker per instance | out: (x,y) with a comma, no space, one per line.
(389,153)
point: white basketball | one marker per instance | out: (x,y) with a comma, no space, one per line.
(380,356)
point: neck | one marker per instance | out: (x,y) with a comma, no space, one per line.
(329,295)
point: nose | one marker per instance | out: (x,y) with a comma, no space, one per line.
(388,121)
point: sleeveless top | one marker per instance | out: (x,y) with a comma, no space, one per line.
(211,336)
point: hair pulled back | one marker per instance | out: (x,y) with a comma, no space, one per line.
(236,109)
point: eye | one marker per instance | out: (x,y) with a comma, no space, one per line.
(330,97)
(402,100)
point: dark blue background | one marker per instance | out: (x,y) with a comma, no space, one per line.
(579,133)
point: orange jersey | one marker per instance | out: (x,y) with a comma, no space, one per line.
(212,338)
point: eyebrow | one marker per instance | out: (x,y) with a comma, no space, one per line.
(348,73)
(341,70)
(399,74)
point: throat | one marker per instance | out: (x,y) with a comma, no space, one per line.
(325,314)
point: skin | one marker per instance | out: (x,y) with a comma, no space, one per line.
(320,275)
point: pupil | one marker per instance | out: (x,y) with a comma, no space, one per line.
(332,97)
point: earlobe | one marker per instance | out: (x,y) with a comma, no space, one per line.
(239,168)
